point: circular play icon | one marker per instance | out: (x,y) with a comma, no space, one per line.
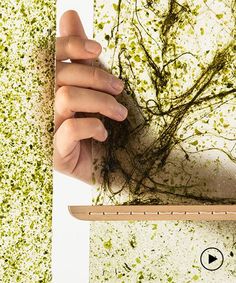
(212,259)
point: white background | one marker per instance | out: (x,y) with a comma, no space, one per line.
(70,254)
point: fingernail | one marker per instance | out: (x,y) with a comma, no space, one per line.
(117,84)
(121,111)
(92,46)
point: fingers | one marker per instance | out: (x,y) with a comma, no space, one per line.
(78,164)
(73,130)
(70,100)
(87,77)
(70,24)
(73,47)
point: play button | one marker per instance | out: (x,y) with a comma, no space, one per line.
(212,259)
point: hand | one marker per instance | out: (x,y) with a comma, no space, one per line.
(80,87)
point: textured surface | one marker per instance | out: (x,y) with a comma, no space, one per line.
(143,252)
(178,144)
(27,40)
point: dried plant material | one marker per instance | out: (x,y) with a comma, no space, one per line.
(178,144)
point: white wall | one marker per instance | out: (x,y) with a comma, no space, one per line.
(70,258)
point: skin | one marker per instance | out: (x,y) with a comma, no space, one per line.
(82,92)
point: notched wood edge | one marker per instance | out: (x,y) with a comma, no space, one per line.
(152,212)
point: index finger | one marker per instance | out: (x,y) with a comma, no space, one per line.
(70,24)
(74,47)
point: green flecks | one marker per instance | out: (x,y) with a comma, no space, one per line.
(219,16)
(140,275)
(194,142)
(23,11)
(137,58)
(170,279)
(27,76)
(154,226)
(138,260)
(111,45)
(133,45)
(107,245)
(115,7)
(122,46)
(133,241)
(157,59)
(195,277)
(101,25)
(107,37)
(197,132)
(171,58)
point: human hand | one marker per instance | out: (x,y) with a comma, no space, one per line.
(82,88)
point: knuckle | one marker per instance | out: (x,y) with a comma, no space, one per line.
(95,74)
(59,69)
(69,43)
(98,125)
(111,103)
(73,43)
(69,127)
(99,76)
(64,93)
(62,98)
